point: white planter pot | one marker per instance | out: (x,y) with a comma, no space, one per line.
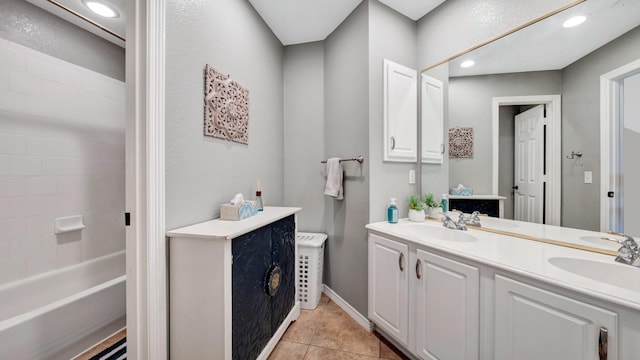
(434,213)
(416,215)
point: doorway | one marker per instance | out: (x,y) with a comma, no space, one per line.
(546,207)
(619,132)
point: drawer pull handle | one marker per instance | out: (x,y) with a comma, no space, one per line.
(603,343)
(401,261)
(418,275)
(393,143)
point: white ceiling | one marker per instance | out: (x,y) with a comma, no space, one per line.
(117,25)
(546,45)
(413,9)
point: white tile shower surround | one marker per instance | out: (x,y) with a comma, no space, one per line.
(61,154)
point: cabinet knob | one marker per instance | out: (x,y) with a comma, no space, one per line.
(418,275)
(401,262)
(603,343)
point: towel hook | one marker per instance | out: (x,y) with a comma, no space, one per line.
(575,154)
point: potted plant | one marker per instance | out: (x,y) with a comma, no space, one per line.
(432,206)
(416,209)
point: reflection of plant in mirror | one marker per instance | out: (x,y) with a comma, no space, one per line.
(414,203)
(430,201)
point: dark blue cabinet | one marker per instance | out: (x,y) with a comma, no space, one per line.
(256,314)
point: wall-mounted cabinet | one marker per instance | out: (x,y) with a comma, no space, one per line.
(400,113)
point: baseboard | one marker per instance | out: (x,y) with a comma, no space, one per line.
(271,345)
(355,315)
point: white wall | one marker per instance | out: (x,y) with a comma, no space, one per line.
(631,145)
(61,154)
(204,172)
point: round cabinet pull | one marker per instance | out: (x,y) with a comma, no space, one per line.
(418,275)
(272,280)
(401,261)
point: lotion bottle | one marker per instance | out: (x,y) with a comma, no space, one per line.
(392,212)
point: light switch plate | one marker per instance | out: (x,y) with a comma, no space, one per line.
(412,177)
(588,177)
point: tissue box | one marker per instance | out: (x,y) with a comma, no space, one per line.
(237,212)
(462,192)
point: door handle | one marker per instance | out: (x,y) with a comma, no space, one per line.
(393,143)
(401,262)
(418,275)
(515,187)
(603,342)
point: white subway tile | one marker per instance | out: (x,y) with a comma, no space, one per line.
(13,186)
(25,206)
(55,91)
(41,263)
(4,78)
(12,101)
(44,68)
(21,248)
(24,83)
(49,242)
(13,144)
(13,228)
(20,166)
(4,209)
(68,254)
(64,166)
(12,270)
(4,43)
(42,185)
(73,184)
(4,250)
(13,59)
(39,225)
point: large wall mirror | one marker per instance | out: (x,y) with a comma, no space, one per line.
(553,106)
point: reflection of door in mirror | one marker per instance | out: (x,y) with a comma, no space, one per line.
(631,147)
(529,165)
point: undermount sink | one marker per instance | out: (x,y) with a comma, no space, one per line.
(440,233)
(615,274)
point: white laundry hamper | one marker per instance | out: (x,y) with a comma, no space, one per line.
(310,260)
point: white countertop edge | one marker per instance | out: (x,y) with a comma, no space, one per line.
(477,197)
(572,282)
(226,229)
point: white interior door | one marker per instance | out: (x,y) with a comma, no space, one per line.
(529,163)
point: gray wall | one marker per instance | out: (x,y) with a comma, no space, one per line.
(304,176)
(391,36)
(347,134)
(203,172)
(29,25)
(581,127)
(470,106)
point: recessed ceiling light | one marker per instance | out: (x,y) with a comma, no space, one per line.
(101,9)
(468,63)
(574,21)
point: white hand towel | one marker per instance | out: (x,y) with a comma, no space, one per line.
(334,179)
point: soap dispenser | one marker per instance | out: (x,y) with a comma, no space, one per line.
(392,212)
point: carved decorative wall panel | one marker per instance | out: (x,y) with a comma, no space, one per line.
(461,142)
(226,107)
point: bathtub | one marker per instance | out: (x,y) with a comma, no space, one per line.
(44,314)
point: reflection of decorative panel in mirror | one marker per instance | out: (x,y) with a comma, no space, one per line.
(432,120)
(461,142)
(400,113)
(226,107)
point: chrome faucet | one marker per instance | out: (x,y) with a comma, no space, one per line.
(475,219)
(450,224)
(628,253)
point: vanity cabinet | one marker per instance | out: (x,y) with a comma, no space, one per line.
(446,302)
(532,323)
(223,276)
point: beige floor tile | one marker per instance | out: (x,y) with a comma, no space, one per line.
(324,299)
(388,353)
(303,329)
(337,330)
(319,353)
(287,350)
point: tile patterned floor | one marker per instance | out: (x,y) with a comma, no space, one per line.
(328,333)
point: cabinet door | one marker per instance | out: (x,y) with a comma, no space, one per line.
(534,324)
(432,120)
(447,313)
(283,254)
(388,286)
(400,113)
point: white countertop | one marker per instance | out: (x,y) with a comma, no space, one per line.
(227,229)
(528,258)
